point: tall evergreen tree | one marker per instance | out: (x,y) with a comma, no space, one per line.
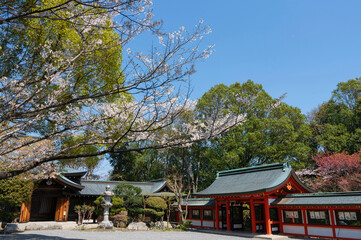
(336,124)
(273,131)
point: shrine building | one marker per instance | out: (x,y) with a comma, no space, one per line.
(272,199)
(55,199)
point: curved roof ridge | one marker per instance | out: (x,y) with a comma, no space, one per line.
(69,171)
(157,180)
(264,167)
(298,180)
(159,185)
(66,181)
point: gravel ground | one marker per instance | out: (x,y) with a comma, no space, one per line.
(138,235)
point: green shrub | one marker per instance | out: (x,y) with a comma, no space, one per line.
(13,192)
(84,212)
(185,225)
(117,205)
(133,200)
(156,203)
(119,221)
(155,207)
(115,209)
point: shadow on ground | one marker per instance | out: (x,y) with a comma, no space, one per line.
(34,237)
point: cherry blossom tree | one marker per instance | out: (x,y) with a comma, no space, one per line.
(177,186)
(334,172)
(71,88)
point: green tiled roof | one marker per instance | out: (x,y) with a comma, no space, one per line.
(266,167)
(251,180)
(98,187)
(320,199)
(69,172)
(198,202)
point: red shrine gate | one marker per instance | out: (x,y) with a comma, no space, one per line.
(275,201)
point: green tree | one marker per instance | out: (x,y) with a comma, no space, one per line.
(273,131)
(155,206)
(137,166)
(86,58)
(191,162)
(13,192)
(336,124)
(66,80)
(132,199)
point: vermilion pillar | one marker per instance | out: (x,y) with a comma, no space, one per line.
(280,218)
(267,216)
(228,216)
(217,215)
(253,216)
(305,221)
(333,223)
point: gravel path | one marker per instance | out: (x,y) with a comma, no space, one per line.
(139,235)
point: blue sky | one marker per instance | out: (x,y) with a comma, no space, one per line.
(302,48)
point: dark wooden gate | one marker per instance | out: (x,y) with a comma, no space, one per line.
(25,212)
(62,209)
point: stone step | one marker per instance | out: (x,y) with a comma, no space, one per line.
(19,227)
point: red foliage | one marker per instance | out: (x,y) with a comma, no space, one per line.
(337,172)
(338,163)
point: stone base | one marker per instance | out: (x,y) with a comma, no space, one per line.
(162,225)
(140,226)
(106,225)
(19,227)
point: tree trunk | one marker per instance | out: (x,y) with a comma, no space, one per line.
(79,219)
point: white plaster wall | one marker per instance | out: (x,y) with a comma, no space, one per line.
(274,228)
(237,225)
(348,233)
(208,223)
(293,229)
(196,222)
(320,231)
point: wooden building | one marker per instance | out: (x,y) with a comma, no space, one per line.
(271,199)
(55,199)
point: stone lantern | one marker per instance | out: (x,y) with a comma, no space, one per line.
(107,195)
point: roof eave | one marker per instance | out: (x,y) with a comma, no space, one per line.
(65,181)
(165,184)
(295,177)
(74,174)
